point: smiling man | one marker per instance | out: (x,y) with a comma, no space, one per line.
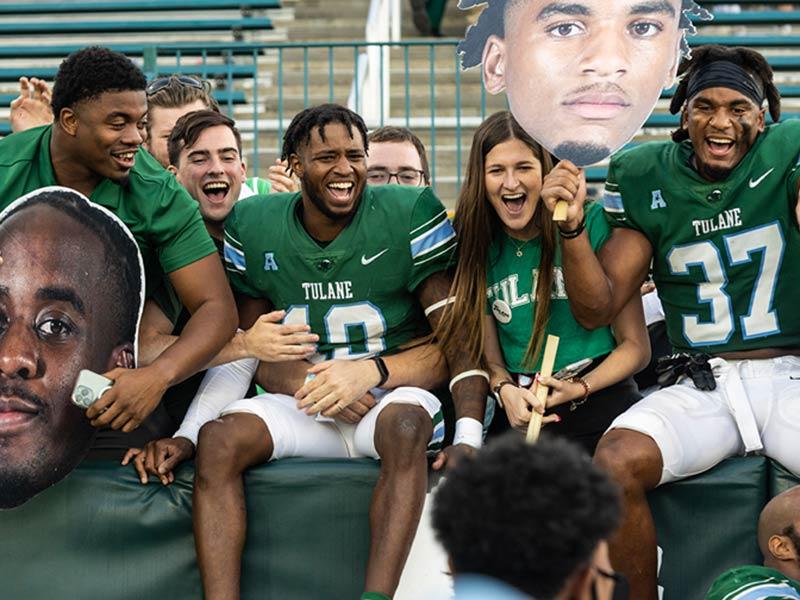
(70,299)
(581,76)
(715,211)
(99,105)
(359,264)
(205,154)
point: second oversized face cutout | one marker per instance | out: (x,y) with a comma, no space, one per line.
(581,76)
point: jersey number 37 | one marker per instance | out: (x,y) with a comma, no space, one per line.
(763,243)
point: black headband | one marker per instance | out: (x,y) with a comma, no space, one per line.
(723,73)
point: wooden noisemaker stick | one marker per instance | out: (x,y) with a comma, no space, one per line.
(560,211)
(548,360)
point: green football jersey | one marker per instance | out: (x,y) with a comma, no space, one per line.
(159,212)
(726,254)
(511,294)
(753,583)
(357,292)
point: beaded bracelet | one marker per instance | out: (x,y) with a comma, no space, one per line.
(573,404)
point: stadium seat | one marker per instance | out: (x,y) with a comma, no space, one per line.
(749,41)
(209,71)
(46,27)
(707,524)
(752,17)
(185,49)
(50,8)
(101,534)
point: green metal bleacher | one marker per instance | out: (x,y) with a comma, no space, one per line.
(54,8)
(20,28)
(13,51)
(209,70)
(221,96)
(750,41)
(753,17)
(210,60)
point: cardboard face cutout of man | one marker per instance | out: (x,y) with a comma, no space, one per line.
(581,76)
(70,299)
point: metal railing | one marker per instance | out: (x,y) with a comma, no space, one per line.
(420,86)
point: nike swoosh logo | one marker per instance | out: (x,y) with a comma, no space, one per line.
(755,182)
(365,261)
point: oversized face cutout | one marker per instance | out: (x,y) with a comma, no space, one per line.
(65,305)
(581,76)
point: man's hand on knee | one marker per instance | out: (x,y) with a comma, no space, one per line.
(356,411)
(336,385)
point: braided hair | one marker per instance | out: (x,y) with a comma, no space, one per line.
(298,134)
(750,60)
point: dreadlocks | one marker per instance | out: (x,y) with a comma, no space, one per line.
(750,60)
(299,131)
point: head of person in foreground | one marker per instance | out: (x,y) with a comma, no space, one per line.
(533,517)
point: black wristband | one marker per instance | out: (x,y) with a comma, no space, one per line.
(568,235)
(382,370)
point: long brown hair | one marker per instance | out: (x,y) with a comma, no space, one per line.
(477,225)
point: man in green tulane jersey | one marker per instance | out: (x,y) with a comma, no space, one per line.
(363,266)
(93,147)
(779,541)
(715,210)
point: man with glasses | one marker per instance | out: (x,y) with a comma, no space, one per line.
(396,156)
(544,513)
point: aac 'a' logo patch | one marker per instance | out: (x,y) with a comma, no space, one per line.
(269,262)
(657,200)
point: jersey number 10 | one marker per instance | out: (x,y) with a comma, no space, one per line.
(341,322)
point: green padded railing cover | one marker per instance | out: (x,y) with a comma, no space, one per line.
(707,524)
(101,534)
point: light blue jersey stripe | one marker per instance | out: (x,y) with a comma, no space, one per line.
(612,202)
(438,434)
(433,238)
(767,591)
(234,257)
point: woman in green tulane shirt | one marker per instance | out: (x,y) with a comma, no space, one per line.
(509,294)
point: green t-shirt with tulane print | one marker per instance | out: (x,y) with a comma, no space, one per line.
(356,292)
(159,212)
(510,280)
(726,253)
